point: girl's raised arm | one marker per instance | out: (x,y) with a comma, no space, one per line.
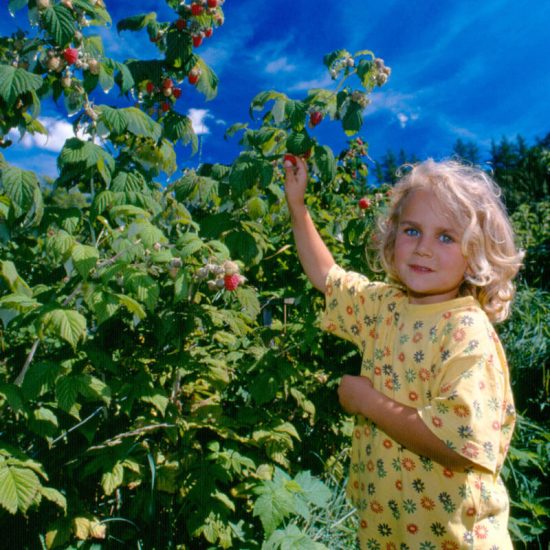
(315,257)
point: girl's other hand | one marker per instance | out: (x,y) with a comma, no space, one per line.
(353,392)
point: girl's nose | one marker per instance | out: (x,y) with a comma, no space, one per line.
(423,248)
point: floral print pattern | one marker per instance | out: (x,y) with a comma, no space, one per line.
(446,361)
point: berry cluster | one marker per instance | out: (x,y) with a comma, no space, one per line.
(225,276)
(382,72)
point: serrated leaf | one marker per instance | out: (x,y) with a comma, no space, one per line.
(66,391)
(208,82)
(113,479)
(128,181)
(18,488)
(313,490)
(86,153)
(20,186)
(136,22)
(158,400)
(273,506)
(179,48)
(180,127)
(44,422)
(84,258)
(93,388)
(16,284)
(129,119)
(188,244)
(147,232)
(16,81)
(144,287)
(248,299)
(132,306)
(325,163)
(69,325)
(53,495)
(259,101)
(58,21)
(353,119)
(299,143)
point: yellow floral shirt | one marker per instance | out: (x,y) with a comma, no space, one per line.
(446,361)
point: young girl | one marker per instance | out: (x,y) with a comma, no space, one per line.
(433,404)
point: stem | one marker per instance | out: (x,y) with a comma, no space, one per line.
(118,439)
(21,376)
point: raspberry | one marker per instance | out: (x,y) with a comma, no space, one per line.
(176,93)
(70,55)
(290,158)
(364,203)
(196,9)
(231,282)
(181,24)
(165,107)
(150,87)
(197,40)
(315,118)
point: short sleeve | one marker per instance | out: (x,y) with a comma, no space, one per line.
(349,298)
(471,407)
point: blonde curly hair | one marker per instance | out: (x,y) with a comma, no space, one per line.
(471,200)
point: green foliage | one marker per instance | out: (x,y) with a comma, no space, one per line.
(149,402)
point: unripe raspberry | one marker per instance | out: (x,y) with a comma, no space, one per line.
(167,83)
(202,273)
(167,92)
(66,81)
(93,66)
(230,267)
(54,63)
(42,4)
(212,286)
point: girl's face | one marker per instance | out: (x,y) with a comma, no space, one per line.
(427,256)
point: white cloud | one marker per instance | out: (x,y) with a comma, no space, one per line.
(58,132)
(198,117)
(323,82)
(280,65)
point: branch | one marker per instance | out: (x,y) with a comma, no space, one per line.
(118,439)
(21,376)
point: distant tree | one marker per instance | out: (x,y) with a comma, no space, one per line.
(386,169)
(523,172)
(467,151)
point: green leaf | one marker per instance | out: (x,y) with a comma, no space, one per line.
(69,325)
(15,81)
(158,400)
(113,479)
(147,232)
(128,181)
(44,422)
(299,143)
(86,153)
(144,287)
(179,127)
(58,21)
(208,81)
(20,186)
(188,244)
(15,5)
(353,119)
(59,245)
(93,388)
(66,391)
(291,538)
(84,258)
(129,119)
(16,284)
(179,49)
(132,306)
(136,22)
(325,163)
(18,488)
(53,495)
(313,490)
(259,101)
(273,506)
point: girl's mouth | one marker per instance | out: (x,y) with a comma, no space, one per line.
(420,268)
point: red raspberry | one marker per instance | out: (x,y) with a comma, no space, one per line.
(70,55)
(208,32)
(181,24)
(176,92)
(196,9)
(212,3)
(165,107)
(364,203)
(231,282)
(197,40)
(167,83)
(150,87)
(315,118)
(290,158)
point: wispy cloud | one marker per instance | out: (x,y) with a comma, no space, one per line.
(198,120)
(280,65)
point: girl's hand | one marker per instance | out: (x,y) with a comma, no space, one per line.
(295,180)
(354,392)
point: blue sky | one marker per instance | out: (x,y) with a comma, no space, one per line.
(474,70)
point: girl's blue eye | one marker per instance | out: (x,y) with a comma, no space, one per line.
(412,232)
(446,238)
